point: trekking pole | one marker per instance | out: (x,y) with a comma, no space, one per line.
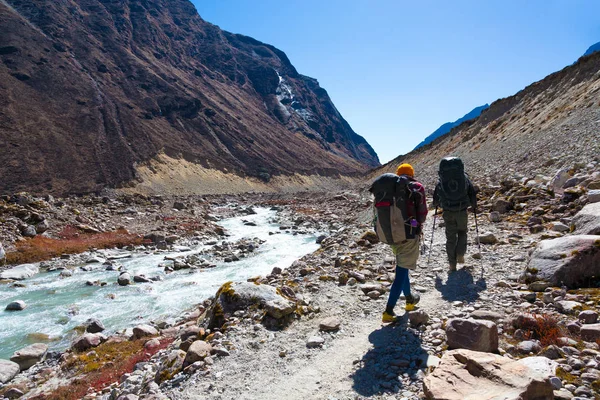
(477,232)
(432,232)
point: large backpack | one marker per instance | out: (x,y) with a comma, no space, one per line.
(392,223)
(453,185)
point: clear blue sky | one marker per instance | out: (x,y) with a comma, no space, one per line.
(397,70)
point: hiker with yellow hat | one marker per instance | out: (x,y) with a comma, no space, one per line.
(400,211)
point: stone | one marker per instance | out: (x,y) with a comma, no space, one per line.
(42,227)
(556,383)
(419,317)
(487,315)
(369,287)
(8,370)
(13,393)
(88,341)
(152,344)
(587,221)
(538,286)
(17,305)
(141,279)
(488,238)
(94,325)
(568,260)
(495,217)
(170,366)
(124,279)
(314,341)
(374,294)
(594,196)
(588,317)
(590,332)
(563,394)
(2,255)
(198,351)
(471,334)
(129,396)
(30,355)
(567,306)
(469,375)
(20,272)
(28,231)
(552,352)
(144,330)
(178,205)
(502,206)
(232,297)
(559,179)
(560,227)
(330,324)
(191,332)
(529,346)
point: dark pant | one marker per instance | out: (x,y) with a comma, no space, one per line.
(456,234)
(401,284)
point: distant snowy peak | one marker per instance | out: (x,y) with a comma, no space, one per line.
(447,127)
(593,48)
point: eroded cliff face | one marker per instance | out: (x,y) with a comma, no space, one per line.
(90,89)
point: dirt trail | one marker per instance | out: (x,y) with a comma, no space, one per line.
(365,358)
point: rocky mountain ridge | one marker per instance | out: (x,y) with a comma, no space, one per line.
(93,90)
(549,125)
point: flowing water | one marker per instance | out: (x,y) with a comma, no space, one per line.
(56,305)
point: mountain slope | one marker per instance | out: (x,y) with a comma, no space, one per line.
(91,90)
(551,124)
(592,49)
(445,128)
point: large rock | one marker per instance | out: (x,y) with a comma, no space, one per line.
(170,366)
(587,221)
(94,325)
(198,351)
(2,255)
(232,297)
(594,196)
(20,272)
(87,341)
(330,324)
(30,355)
(17,305)
(469,375)
(124,279)
(488,238)
(8,370)
(144,330)
(569,260)
(477,335)
(590,332)
(559,179)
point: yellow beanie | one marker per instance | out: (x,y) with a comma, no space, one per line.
(405,169)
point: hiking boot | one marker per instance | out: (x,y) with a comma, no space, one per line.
(452,267)
(411,300)
(460,259)
(389,317)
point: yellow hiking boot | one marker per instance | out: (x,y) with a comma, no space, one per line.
(389,318)
(411,301)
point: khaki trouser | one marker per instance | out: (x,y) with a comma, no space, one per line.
(406,253)
(456,234)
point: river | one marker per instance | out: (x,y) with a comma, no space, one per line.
(56,305)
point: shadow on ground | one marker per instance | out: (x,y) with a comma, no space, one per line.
(460,286)
(397,351)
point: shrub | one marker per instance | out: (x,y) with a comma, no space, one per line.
(42,248)
(543,327)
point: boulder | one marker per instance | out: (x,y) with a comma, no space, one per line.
(170,366)
(232,297)
(17,305)
(144,330)
(198,351)
(2,255)
(502,206)
(487,238)
(94,325)
(588,317)
(560,227)
(495,216)
(124,279)
(42,227)
(477,335)
(569,260)
(417,318)
(587,221)
(330,324)
(20,272)
(87,341)
(594,196)
(29,355)
(28,231)
(314,341)
(487,315)
(559,179)
(8,370)
(590,332)
(470,375)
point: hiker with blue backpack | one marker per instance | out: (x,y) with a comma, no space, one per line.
(455,193)
(400,211)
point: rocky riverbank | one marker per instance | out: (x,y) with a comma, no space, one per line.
(314,330)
